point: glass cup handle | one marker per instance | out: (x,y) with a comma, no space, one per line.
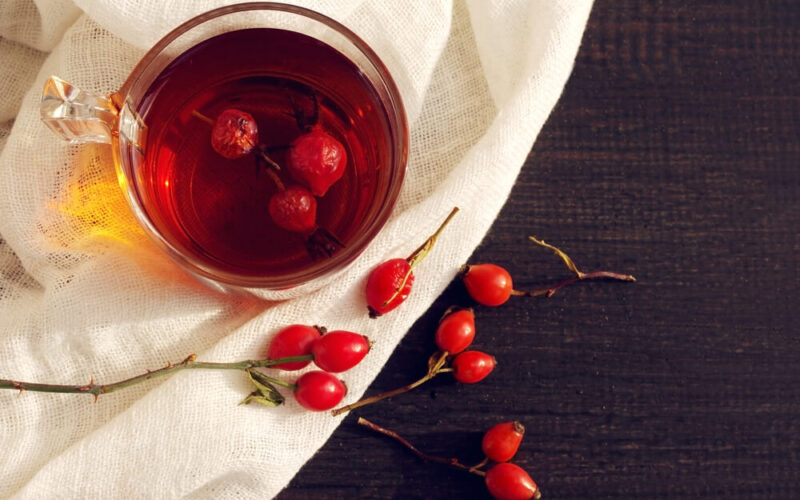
(75,115)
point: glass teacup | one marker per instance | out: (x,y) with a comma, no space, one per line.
(276,213)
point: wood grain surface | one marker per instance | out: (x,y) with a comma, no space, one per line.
(673,154)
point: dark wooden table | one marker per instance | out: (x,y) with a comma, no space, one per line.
(674,154)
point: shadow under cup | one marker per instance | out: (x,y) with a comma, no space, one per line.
(293,70)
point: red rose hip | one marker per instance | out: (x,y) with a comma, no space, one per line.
(235,133)
(317,160)
(339,351)
(456,331)
(488,284)
(383,284)
(501,442)
(471,367)
(319,391)
(507,481)
(294,209)
(294,340)
(389,284)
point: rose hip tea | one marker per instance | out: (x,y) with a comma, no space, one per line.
(263,154)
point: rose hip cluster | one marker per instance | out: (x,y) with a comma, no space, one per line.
(488,284)
(455,332)
(504,480)
(315,161)
(332,352)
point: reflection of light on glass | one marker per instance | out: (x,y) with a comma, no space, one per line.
(93,202)
(360,112)
(166,183)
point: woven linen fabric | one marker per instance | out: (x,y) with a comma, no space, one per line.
(84,293)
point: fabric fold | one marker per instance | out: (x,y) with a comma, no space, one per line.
(85,294)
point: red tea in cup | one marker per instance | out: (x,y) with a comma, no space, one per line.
(215,208)
(293,71)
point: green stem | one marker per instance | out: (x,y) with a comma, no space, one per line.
(419,254)
(189,363)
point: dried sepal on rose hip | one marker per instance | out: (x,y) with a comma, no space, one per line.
(491,285)
(389,284)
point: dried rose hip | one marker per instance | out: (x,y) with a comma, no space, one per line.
(339,351)
(294,209)
(506,481)
(471,367)
(456,331)
(501,442)
(317,160)
(488,284)
(294,340)
(318,390)
(234,134)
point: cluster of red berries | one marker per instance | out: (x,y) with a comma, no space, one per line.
(455,333)
(332,352)
(507,481)
(315,161)
(389,285)
(504,480)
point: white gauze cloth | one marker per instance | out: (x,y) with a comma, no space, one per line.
(84,293)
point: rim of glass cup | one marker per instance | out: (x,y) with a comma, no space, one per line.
(395,115)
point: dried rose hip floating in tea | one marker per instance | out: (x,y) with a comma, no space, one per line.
(234,134)
(491,285)
(294,209)
(317,160)
(389,284)
(505,481)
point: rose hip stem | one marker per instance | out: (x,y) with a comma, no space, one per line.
(190,363)
(262,153)
(579,275)
(420,253)
(435,367)
(453,462)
